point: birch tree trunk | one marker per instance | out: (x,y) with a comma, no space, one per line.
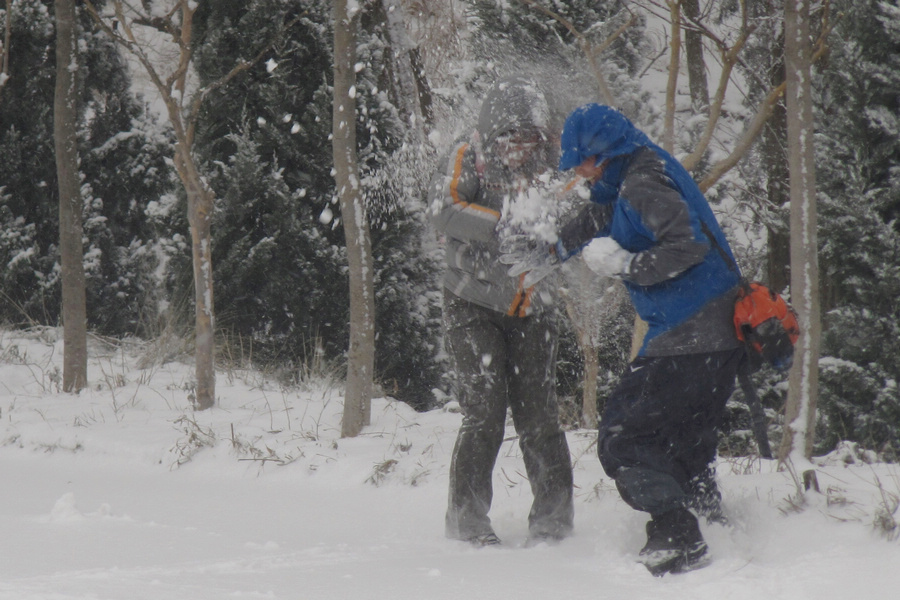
(199,207)
(361,352)
(800,412)
(65,115)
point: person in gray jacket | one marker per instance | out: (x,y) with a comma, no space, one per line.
(500,336)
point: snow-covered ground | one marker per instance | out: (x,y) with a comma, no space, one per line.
(124,493)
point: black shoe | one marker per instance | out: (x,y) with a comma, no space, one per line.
(675,560)
(484,539)
(674,544)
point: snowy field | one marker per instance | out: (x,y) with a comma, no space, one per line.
(124,493)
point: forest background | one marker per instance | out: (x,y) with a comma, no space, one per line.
(278,249)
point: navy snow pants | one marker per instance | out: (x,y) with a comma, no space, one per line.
(659,430)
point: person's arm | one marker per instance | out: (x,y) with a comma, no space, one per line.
(453,187)
(595,218)
(591,221)
(665,214)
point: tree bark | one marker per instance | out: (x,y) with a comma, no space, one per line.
(65,116)
(410,90)
(183,114)
(583,301)
(200,207)
(183,117)
(672,83)
(800,412)
(774,156)
(361,352)
(693,50)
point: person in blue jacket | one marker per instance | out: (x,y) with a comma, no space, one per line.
(649,225)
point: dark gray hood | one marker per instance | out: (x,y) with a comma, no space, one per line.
(513,103)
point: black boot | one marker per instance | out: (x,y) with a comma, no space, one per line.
(674,543)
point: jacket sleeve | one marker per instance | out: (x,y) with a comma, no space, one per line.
(592,220)
(665,214)
(451,196)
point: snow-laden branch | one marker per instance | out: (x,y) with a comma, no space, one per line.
(591,52)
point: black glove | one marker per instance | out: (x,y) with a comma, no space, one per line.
(526,255)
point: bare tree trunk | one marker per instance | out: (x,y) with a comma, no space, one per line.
(411,92)
(775,165)
(200,206)
(672,84)
(800,412)
(696,64)
(65,115)
(637,336)
(361,353)
(200,199)
(589,409)
(593,305)
(582,302)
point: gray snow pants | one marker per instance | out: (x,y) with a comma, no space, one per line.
(502,361)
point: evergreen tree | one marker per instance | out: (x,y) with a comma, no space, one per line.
(268,137)
(125,148)
(28,171)
(122,154)
(858,104)
(276,276)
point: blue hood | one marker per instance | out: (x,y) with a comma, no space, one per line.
(598,130)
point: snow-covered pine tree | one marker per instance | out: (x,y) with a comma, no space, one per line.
(395,167)
(858,163)
(268,137)
(265,142)
(126,171)
(122,155)
(28,209)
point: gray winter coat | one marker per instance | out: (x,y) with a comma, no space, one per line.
(467,195)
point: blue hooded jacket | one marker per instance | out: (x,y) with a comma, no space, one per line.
(682,278)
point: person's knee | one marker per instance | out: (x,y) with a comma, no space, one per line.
(486,429)
(484,410)
(609,449)
(649,490)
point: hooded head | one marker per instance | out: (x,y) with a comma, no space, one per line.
(597,130)
(513,105)
(512,128)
